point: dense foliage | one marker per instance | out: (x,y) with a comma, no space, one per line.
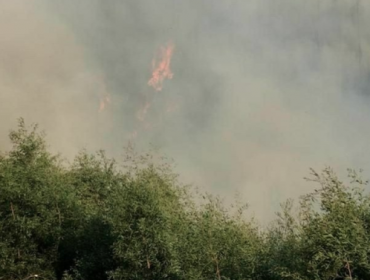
(95,219)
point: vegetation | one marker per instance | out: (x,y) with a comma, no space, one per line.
(95,219)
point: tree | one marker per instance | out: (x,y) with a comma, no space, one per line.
(96,220)
(33,204)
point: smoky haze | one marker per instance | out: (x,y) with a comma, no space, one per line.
(262,90)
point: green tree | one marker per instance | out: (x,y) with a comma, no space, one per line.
(144,214)
(33,207)
(97,220)
(335,241)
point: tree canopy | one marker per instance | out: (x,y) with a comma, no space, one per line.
(96,219)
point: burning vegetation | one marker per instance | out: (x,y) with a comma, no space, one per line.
(161,67)
(160,72)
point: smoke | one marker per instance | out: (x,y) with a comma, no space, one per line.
(261,90)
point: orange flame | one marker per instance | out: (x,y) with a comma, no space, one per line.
(161,70)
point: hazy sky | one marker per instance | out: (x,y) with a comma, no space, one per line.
(261,91)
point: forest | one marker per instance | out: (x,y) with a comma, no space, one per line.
(97,219)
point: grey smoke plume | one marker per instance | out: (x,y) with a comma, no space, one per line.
(262,90)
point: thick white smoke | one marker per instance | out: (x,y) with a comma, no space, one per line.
(262,90)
